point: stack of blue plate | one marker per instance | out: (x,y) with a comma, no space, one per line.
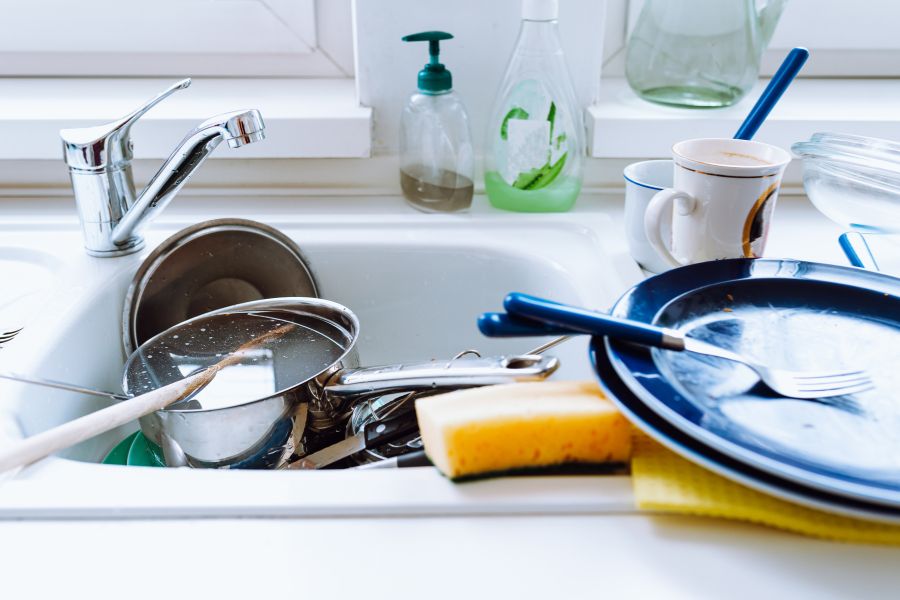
(840,454)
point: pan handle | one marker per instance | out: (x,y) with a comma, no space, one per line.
(465,372)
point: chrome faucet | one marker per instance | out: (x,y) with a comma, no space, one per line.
(99,160)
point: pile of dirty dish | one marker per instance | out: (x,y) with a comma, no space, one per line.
(778,374)
(290,386)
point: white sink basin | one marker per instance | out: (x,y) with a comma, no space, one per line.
(416,283)
(26,276)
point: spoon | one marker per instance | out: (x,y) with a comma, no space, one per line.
(792,64)
(173,455)
(59,385)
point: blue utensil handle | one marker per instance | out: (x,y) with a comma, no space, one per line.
(501,325)
(857,251)
(586,321)
(772,94)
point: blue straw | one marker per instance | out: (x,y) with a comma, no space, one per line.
(772,94)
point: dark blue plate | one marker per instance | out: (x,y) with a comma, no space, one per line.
(677,441)
(788,314)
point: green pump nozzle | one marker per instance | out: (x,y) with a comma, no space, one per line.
(434,77)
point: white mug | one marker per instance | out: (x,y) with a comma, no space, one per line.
(642,181)
(724,192)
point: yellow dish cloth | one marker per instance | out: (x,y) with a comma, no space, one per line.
(665,482)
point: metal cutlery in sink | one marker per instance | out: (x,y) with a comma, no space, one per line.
(386,427)
(294,376)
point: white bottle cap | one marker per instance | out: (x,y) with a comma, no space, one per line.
(540,10)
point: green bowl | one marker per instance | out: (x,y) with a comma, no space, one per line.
(119,454)
(136,451)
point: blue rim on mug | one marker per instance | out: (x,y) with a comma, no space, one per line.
(638,183)
(643,185)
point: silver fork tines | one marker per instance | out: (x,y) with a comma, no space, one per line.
(828,374)
(815,385)
(794,384)
(9,335)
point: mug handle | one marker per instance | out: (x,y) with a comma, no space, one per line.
(657,209)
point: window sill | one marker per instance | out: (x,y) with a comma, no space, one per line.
(305,118)
(621,125)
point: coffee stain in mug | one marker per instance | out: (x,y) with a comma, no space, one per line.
(748,157)
(756,225)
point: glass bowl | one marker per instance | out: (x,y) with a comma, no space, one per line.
(858,187)
(860,144)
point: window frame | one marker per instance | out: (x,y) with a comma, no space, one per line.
(314,39)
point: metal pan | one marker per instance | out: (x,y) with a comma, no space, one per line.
(247,417)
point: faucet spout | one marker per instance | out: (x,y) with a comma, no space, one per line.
(237,128)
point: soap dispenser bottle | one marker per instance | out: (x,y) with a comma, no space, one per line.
(436,159)
(534,152)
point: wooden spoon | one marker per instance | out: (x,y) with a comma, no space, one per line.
(68,434)
(77,430)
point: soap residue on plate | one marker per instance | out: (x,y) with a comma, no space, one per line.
(857,433)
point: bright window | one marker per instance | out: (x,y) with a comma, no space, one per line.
(176,37)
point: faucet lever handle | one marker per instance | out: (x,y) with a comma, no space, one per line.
(122,127)
(107,145)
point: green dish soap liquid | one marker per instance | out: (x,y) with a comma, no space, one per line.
(534,158)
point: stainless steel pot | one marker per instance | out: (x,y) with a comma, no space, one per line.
(225,427)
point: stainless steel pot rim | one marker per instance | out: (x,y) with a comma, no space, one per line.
(287,304)
(159,255)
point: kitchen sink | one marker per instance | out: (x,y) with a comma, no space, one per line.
(416,282)
(26,275)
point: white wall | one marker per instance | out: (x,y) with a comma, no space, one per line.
(485,33)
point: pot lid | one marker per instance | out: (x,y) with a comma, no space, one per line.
(208,266)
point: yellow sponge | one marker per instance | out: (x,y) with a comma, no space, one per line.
(521,425)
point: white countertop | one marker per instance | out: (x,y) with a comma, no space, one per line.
(616,555)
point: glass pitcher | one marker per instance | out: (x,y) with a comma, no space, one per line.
(699,53)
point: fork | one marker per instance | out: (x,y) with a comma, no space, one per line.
(555,318)
(6,336)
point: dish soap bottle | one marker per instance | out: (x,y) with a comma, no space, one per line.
(534,152)
(436,159)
